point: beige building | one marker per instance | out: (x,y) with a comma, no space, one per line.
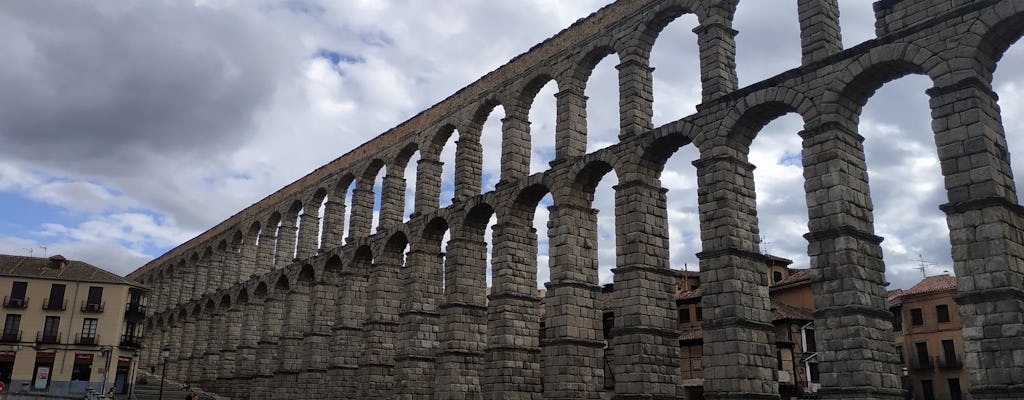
(926,320)
(67,326)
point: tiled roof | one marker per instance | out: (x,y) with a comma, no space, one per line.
(927,285)
(796,276)
(38,267)
(692,334)
(785,311)
(688,294)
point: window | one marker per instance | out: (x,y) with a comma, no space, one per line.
(954,389)
(923,360)
(56,299)
(95,295)
(942,313)
(12,328)
(927,390)
(607,324)
(897,319)
(899,352)
(83,368)
(684,314)
(916,317)
(88,331)
(776,277)
(810,345)
(814,373)
(699,314)
(949,352)
(18,290)
(50,329)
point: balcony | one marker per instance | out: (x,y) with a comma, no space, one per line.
(55,306)
(92,307)
(131,341)
(92,340)
(951,363)
(47,338)
(10,337)
(15,303)
(926,363)
(134,312)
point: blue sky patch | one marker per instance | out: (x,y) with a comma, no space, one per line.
(791,159)
(24,216)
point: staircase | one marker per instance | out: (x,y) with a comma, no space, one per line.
(150,390)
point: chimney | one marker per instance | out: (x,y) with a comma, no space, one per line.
(58,261)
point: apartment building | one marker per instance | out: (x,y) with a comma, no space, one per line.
(926,320)
(67,326)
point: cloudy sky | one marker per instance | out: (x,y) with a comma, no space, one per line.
(127,127)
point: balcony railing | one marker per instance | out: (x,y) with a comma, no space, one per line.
(131,341)
(951,363)
(15,303)
(47,338)
(134,311)
(59,306)
(87,340)
(92,307)
(10,337)
(924,364)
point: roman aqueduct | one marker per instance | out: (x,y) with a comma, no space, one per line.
(263,305)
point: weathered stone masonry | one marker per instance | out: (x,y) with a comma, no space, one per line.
(256,308)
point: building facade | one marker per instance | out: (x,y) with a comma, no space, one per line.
(67,326)
(926,320)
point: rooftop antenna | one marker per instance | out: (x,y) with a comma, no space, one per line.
(764,244)
(29,249)
(44,250)
(686,267)
(923,265)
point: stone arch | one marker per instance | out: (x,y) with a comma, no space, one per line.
(991,35)
(655,150)
(756,110)
(855,85)
(586,173)
(665,13)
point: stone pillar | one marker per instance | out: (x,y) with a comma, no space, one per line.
(573,346)
(290,352)
(334,224)
(209,367)
(309,223)
(285,246)
(316,342)
(645,335)
(820,35)
(201,341)
(175,287)
(513,314)
(361,219)
(739,357)
(232,331)
(187,343)
(200,278)
(856,352)
(175,344)
(515,145)
(156,296)
(985,224)
(252,313)
(717,42)
(265,253)
(428,184)
(215,274)
(380,329)
(268,353)
(346,342)
(418,320)
(636,96)
(462,339)
(570,123)
(247,259)
(468,159)
(392,200)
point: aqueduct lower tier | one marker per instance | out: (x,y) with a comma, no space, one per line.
(263,303)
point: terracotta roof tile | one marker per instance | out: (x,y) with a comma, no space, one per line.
(785,311)
(38,267)
(927,285)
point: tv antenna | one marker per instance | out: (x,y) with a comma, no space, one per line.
(923,265)
(764,244)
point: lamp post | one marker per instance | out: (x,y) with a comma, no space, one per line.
(134,373)
(165,352)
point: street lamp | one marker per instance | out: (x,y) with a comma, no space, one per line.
(165,352)
(134,372)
